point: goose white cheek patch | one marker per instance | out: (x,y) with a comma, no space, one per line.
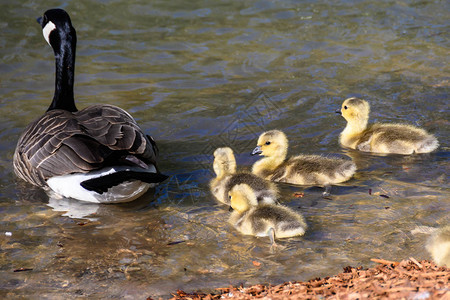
(48,28)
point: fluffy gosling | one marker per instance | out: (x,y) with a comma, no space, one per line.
(225,168)
(301,169)
(378,137)
(274,221)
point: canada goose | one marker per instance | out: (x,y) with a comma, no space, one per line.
(274,221)
(98,154)
(439,246)
(225,169)
(301,169)
(381,138)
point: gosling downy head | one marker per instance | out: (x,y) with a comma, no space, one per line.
(272,143)
(224,162)
(242,198)
(355,111)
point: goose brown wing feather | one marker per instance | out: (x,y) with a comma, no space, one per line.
(61,142)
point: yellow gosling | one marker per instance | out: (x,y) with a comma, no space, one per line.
(251,218)
(378,137)
(439,246)
(301,169)
(226,177)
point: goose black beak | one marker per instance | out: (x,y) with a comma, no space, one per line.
(39,20)
(257,150)
(230,209)
(338,111)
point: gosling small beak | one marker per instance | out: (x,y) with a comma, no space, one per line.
(230,209)
(257,150)
(338,111)
(39,20)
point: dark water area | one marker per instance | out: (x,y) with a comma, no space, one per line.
(199,75)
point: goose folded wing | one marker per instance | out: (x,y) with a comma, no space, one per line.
(87,142)
(113,127)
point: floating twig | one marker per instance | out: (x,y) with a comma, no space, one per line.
(23,269)
(384,261)
(174,243)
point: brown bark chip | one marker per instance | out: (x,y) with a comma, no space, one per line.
(408,279)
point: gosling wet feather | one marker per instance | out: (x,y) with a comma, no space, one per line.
(381,138)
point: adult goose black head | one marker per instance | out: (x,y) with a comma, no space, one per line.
(61,36)
(97,154)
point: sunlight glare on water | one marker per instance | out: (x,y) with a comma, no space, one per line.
(198,75)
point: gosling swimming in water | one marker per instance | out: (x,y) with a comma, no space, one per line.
(251,218)
(301,169)
(378,137)
(225,168)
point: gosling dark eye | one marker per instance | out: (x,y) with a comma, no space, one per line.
(229,197)
(267,143)
(345,107)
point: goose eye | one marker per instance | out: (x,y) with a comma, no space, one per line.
(42,20)
(345,107)
(267,143)
(229,197)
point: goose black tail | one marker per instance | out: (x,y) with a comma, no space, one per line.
(102,184)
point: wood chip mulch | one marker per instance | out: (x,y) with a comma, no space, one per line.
(408,279)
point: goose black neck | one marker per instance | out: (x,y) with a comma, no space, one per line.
(65,72)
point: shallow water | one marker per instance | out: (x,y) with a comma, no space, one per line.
(203,74)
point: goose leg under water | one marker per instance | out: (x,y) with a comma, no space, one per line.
(327,191)
(271,234)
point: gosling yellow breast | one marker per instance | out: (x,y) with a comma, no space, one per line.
(301,169)
(381,138)
(275,221)
(226,178)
